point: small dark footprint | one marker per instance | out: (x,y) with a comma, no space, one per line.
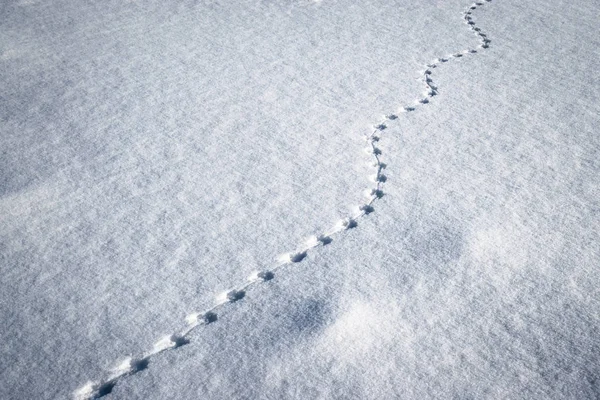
(324,239)
(379,178)
(375,192)
(348,223)
(104,389)
(179,341)
(234,295)
(210,317)
(262,276)
(205,318)
(297,257)
(139,365)
(366,208)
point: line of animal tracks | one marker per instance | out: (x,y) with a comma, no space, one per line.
(132,365)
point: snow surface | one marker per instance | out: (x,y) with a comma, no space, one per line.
(155,154)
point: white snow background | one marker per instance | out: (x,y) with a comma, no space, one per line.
(154,154)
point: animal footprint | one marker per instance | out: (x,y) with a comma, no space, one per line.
(132,365)
(373,150)
(348,223)
(231,296)
(262,276)
(379,178)
(319,239)
(170,342)
(378,193)
(105,388)
(366,208)
(294,257)
(201,318)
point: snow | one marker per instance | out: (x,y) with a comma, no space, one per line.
(156,155)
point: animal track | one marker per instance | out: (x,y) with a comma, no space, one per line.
(376,193)
(133,365)
(366,208)
(379,178)
(319,239)
(206,318)
(297,257)
(232,295)
(348,223)
(262,276)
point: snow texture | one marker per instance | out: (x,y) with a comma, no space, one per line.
(164,165)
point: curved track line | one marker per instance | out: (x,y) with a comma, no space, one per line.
(133,365)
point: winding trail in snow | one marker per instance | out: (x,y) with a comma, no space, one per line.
(132,365)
